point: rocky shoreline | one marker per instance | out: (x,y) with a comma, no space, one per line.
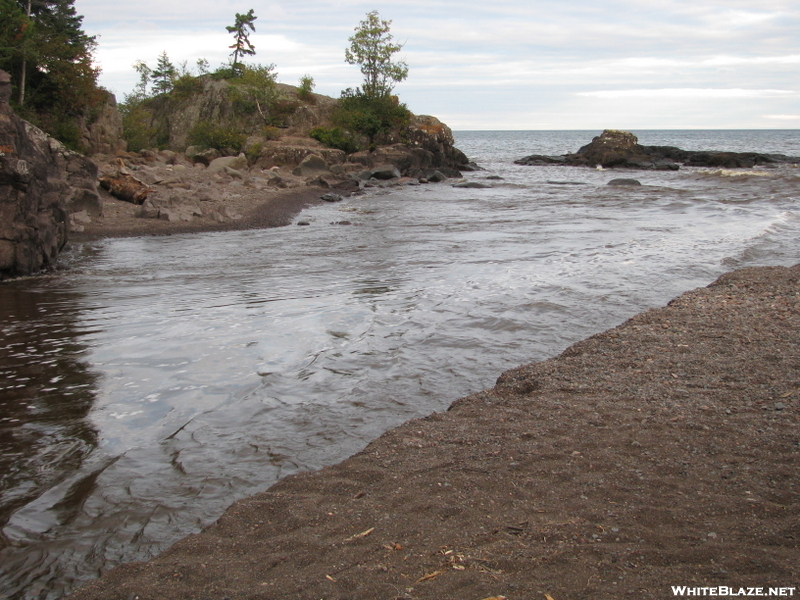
(662,452)
(49,194)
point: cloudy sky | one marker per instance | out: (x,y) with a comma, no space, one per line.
(502,64)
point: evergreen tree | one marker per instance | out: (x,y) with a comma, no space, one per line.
(241,45)
(163,76)
(43,46)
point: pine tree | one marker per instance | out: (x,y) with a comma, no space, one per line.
(241,45)
(43,46)
(163,76)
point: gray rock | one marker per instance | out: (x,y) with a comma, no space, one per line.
(472,185)
(624,181)
(233,162)
(33,212)
(331,197)
(385,172)
(79,218)
(202,157)
(148,211)
(235,173)
(169,214)
(102,132)
(312,165)
(229,213)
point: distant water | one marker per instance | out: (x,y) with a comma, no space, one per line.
(152,381)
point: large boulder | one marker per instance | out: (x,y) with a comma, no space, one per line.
(292,151)
(312,165)
(615,148)
(81,176)
(427,146)
(218,165)
(403,157)
(33,193)
(430,134)
(610,148)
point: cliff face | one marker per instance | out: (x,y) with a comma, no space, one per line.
(103,133)
(169,119)
(37,175)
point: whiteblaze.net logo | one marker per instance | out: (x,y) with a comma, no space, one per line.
(723,590)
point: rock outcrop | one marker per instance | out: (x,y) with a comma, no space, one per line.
(424,146)
(621,149)
(102,133)
(33,217)
(41,182)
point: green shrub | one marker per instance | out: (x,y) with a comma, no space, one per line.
(186,86)
(208,134)
(253,152)
(371,116)
(65,129)
(304,91)
(226,72)
(271,133)
(137,127)
(252,90)
(335,137)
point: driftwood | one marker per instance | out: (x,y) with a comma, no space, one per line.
(125,186)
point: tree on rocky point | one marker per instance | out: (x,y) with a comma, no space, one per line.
(164,75)
(371,47)
(241,45)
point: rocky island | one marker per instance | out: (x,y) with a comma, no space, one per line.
(621,149)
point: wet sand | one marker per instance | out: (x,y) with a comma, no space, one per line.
(258,209)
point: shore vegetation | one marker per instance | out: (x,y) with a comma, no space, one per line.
(50,59)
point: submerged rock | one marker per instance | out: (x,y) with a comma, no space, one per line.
(624,181)
(331,197)
(472,185)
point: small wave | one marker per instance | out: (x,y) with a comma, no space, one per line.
(734,173)
(769,245)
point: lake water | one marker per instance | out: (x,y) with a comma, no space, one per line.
(150,382)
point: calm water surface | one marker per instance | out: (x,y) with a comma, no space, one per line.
(152,381)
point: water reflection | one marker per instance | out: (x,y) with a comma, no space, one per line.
(46,392)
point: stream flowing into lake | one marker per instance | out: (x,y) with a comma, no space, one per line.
(150,382)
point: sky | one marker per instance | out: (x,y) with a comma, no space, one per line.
(501,64)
